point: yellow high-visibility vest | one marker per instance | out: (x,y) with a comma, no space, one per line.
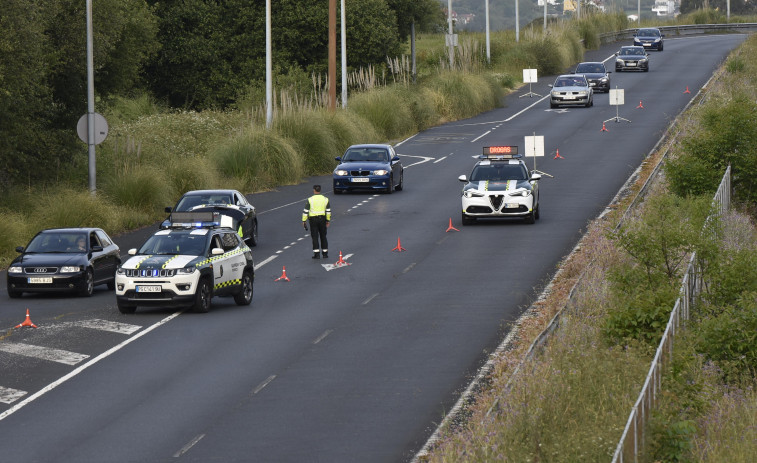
(317,205)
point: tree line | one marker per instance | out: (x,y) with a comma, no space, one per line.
(188,54)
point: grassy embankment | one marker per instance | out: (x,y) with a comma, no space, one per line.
(152,155)
(571,403)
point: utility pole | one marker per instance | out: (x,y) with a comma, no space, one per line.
(332,55)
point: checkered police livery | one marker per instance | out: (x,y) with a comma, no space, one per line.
(186,265)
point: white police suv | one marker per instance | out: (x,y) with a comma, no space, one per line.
(500,185)
(186,265)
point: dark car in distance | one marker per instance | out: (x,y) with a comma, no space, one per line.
(597,75)
(231,206)
(369,167)
(64,260)
(631,58)
(649,37)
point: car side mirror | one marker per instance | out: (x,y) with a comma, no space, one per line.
(462,178)
(132,252)
(168,209)
(97,249)
(395,159)
(550,86)
(216,252)
(535,177)
(19,249)
(338,159)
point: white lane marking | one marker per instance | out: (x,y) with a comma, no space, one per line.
(440,159)
(43,353)
(409,267)
(186,448)
(323,336)
(423,159)
(526,109)
(105,325)
(330,267)
(260,264)
(406,139)
(81,368)
(9,395)
(367,301)
(264,384)
(481,136)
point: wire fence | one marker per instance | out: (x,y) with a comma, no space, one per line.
(633,438)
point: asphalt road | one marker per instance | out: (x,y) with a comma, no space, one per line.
(340,364)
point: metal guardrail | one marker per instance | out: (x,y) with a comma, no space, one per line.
(633,438)
(690,29)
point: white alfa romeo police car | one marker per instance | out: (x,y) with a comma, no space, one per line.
(186,265)
(500,185)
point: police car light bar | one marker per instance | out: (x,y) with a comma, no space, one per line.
(500,152)
(195,219)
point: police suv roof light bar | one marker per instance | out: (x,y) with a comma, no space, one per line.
(195,219)
(500,152)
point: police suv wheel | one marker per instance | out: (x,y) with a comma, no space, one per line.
(244,296)
(202,296)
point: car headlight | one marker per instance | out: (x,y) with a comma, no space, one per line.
(380,172)
(472,194)
(643,60)
(120,271)
(583,93)
(619,61)
(341,172)
(604,79)
(555,93)
(186,270)
(521,192)
(15,270)
(70,269)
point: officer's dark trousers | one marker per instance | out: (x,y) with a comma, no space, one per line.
(318,231)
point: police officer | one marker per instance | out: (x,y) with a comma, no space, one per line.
(318,213)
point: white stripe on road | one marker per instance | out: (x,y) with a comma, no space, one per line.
(104,325)
(8,395)
(43,353)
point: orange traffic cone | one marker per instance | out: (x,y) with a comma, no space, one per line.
(451,228)
(341,261)
(557,155)
(687,90)
(283,275)
(27,322)
(604,129)
(399,247)
(640,105)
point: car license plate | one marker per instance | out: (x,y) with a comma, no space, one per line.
(512,205)
(149,289)
(570,97)
(631,64)
(360,180)
(647,44)
(40,280)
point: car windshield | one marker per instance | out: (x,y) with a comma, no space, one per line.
(499,172)
(648,33)
(366,155)
(632,51)
(576,81)
(189,202)
(184,242)
(58,242)
(590,67)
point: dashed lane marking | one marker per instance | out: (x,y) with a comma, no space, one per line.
(43,353)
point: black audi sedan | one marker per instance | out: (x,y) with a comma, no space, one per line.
(231,206)
(64,260)
(631,58)
(597,75)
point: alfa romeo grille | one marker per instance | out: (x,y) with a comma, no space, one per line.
(496,201)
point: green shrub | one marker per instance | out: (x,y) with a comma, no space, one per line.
(347,128)
(15,231)
(638,310)
(142,188)
(309,132)
(672,441)
(74,209)
(260,158)
(193,173)
(730,337)
(386,109)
